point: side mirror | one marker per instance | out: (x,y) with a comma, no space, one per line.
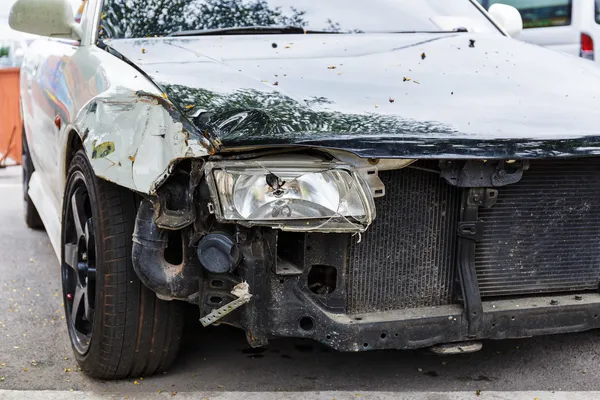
(52,18)
(508,17)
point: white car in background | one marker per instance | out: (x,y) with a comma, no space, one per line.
(569,26)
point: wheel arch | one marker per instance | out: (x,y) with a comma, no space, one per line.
(73,144)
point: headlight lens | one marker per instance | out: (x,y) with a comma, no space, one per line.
(289,195)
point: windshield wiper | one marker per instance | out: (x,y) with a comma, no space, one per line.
(249,30)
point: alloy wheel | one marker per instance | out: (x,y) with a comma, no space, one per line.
(79,264)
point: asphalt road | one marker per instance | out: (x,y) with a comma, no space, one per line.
(35,353)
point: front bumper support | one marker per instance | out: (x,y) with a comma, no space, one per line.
(423,327)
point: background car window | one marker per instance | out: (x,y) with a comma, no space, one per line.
(539,13)
(144,18)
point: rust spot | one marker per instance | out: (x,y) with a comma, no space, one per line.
(423,56)
(391,100)
(405,79)
(143,50)
(275,83)
(331,67)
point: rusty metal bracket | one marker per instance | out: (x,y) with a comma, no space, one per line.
(243,296)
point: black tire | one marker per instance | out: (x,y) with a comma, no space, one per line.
(32,217)
(120,328)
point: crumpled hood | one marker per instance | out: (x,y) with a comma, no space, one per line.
(385,95)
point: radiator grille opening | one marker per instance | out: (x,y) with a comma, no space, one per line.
(406,259)
(543,233)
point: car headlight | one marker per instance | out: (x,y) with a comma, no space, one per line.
(305,194)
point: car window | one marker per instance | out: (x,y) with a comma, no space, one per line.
(144,18)
(539,13)
(597,11)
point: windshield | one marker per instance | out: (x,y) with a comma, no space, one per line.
(147,18)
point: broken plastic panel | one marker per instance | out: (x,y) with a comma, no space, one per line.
(303,194)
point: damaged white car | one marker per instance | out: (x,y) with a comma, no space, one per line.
(414,178)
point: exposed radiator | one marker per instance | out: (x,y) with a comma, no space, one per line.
(406,258)
(543,234)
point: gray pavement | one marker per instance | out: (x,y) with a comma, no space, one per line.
(35,353)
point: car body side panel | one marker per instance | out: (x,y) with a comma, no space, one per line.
(46,97)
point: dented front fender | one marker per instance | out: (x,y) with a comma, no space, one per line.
(131,132)
(134,138)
